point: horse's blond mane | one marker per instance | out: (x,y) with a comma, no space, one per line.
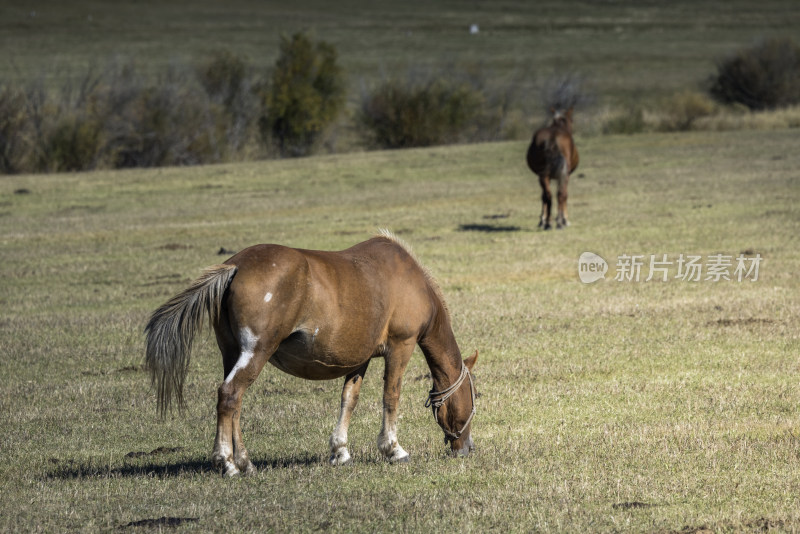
(434,285)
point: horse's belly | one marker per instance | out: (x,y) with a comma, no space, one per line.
(303,355)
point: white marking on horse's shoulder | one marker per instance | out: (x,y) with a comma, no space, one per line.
(268,297)
(247,344)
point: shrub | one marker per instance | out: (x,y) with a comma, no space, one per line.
(766,76)
(228,81)
(305,96)
(465,104)
(629,121)
(401,115)
(62,132)
(169,122)
(72,143)
(224,77)
(683,109)
(13,123)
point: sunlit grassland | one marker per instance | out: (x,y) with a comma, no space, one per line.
(643,406)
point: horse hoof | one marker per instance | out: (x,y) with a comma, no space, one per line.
(250,470)
(402,458)
(340,457)
(231,471)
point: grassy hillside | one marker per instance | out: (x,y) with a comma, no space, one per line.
(620,405)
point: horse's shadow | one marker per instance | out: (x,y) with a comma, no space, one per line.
(490,228)
(71,470)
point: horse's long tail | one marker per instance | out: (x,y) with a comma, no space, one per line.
(172,327)
(556,162)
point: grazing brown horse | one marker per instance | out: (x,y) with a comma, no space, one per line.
(317,315)
(553,156)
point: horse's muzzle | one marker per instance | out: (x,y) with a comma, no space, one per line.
(463,448)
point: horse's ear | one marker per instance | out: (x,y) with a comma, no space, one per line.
(569,113)
(470,362)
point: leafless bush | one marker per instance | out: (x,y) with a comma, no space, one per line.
(169,122)
(12,129)
(682,110)
(565,91)
(231,85)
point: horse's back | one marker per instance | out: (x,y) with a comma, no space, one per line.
(397,279)
(329,311)
(373,270)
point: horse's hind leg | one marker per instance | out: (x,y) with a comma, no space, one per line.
(561,218)
(243,362)
(396,361)
(350,391)
(547,202)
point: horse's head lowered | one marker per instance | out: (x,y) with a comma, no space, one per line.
(454,407)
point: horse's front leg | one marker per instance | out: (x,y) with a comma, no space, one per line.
(350,391)
(396,362)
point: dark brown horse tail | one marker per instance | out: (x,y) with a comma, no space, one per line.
(172,327)
(557,164)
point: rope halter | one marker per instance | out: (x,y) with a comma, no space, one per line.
(437,398)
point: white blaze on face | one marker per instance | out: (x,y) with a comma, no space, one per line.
(247,342)
(268,297)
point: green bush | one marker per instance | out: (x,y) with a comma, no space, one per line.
(765,76)
(411,114)
(305,96)
(458,105)
(72,143)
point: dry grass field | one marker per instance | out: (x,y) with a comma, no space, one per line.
(618,405)
(623,405)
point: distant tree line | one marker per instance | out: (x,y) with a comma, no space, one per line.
(223,109)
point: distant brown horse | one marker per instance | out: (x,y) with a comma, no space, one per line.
(316,315)
(553,156)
